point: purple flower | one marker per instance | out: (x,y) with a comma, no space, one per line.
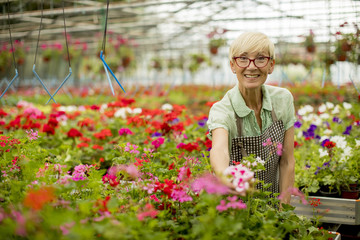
(347,131)
(156,134)
(324,142)
(336,119)
(307,166)
(317,170)
(326,164)
(297,124)
(202,122)
(310,133)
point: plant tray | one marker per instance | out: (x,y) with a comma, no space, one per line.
(335,235)
(332,210)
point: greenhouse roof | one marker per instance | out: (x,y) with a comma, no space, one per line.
(178,24)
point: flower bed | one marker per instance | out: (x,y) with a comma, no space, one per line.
(119,170)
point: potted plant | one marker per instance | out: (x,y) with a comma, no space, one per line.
(215,43)
(309,42)
(347,45)
(156,63)
(126,54)
(196,60)
(350,176)
(216,40)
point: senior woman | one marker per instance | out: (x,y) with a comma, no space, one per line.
(252,117)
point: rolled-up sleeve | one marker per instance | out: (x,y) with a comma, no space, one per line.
(218,118)
(289,117)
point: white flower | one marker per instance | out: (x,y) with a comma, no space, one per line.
(120,113)
(323,152)
(324,116)
(136,110)
(340,141)
(346,154)
(167,107)
(347,105)
(259,160)
(305,109)
(313,118)
(328,132)
(336,110)
(329,105)
(323,138)
(357,143)
(322,108)
(68,108)
(103,107)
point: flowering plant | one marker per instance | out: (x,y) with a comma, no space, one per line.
(121,169)
(328,136)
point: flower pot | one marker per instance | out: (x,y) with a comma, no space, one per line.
(126,61)
(341,58)
(351,192)
(327,192)
(310,49)
(213,50)
(345,46)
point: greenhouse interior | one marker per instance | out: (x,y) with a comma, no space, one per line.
(183,119)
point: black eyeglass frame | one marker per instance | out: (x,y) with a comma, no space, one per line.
(252,60)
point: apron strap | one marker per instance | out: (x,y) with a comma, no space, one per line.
(240,133)
(273,115)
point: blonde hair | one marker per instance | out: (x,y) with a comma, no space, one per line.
(251,42)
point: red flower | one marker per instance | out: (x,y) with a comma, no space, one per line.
(73,132)
(83,144)
(167,187)
(103,134)
(85,139)
(15,123)
(94,107)
(329,144)
(102,204)
(86,122)
(36,199)
(53,122)
(189,146)
(97,147)
(171,166)
(2,113)
(48,129)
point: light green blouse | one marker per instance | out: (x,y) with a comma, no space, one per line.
(222,113)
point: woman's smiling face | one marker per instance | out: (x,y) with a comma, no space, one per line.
(252,77)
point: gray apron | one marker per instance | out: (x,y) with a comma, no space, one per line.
(244,146)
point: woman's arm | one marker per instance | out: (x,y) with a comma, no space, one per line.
(219,153)
(287,166)
(220,157)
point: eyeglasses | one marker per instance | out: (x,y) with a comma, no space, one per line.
(244,62)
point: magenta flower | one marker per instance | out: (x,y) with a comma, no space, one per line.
(158,142)
(132,148)
(267,142)
(125,131)
(241,177)
(210,184)
(233,203)
(148,211)
(279,149)
(32,135)
(180,195)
